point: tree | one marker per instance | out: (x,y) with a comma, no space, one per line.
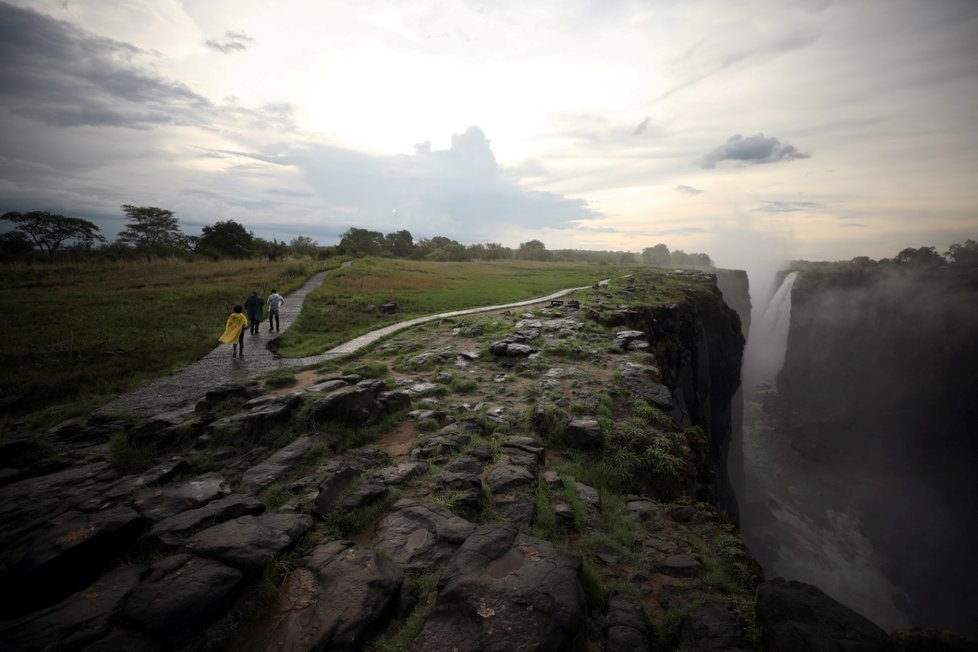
(227,238)
(303,245)
(919,256)
(496,251)
(657,256)
(966,254)
(533,250)
(152,228)
(361,242)
(399,244)
(273,250)
(14,244)
(49,231)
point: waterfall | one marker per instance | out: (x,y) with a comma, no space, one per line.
(768,340)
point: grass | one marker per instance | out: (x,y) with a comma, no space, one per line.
(88,331)
(347,305)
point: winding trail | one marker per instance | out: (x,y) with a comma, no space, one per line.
(219,368)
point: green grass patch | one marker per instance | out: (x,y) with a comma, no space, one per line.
(126,458)
(97,329)
(347,305)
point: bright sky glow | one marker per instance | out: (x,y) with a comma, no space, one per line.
(801,128)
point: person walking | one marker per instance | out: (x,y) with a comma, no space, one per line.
(274,302)
(253,308)
(234,331)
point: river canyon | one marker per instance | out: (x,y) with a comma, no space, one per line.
(859,438)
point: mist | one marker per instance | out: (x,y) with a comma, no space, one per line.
(860,448)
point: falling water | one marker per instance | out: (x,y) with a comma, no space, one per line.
(788,518)
(768,341)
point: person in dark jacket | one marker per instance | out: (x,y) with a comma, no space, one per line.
(253,308)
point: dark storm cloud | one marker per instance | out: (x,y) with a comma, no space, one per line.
(231,42)
(58,74)
(750,151)
(688,190)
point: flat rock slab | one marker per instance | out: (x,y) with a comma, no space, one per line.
(285,459)
(172,531)
(420,536)
(249,542)
(180,594)
(174,499)
(505,591)
(342,592)
(401,473)
(78,620)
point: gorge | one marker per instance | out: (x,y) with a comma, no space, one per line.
(860,439)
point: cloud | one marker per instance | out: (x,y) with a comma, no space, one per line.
(642,126)
(459,192)
(231,43)
(750,151)
(688,190)
(60,75)
(789,207)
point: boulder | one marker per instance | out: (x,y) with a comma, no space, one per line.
(642,381)
(249,542)
(421,537)
(506,478)
(583,433)
(798,616)
(180,594)
(713,626)
(504,590)
(338,596)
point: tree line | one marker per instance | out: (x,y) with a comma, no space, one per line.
(155,232)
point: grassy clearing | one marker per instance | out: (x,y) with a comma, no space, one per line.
(347,305)
(87,331)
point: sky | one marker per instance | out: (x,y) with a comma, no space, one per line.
(757,129)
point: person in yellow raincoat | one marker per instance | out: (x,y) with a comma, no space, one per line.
(234,332)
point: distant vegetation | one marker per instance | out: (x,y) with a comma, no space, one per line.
(153,232)
(959,261)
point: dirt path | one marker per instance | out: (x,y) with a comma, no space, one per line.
(219,368)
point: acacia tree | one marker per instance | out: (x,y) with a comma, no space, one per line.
(152,228)
(48,231)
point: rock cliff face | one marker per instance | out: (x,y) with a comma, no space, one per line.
(548,480)
(878,392)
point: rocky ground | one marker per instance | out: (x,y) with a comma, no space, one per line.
(513,480)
